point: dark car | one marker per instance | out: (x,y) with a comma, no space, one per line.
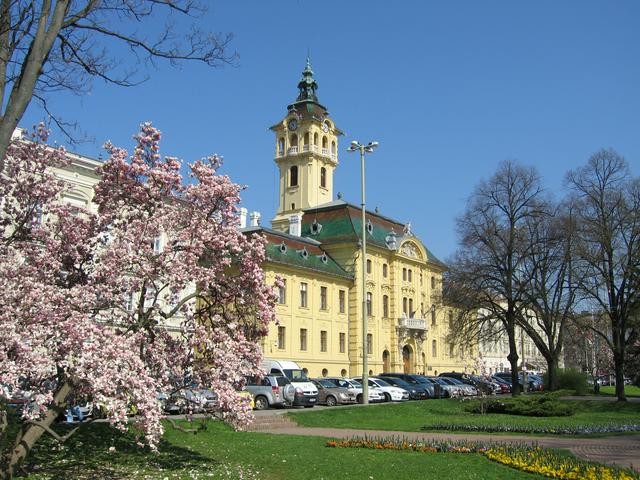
(415,380)
(330,394)
(481,385)
(416,392)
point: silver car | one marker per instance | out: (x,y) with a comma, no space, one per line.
(270,391)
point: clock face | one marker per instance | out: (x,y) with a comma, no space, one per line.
(293,124)
(325,127)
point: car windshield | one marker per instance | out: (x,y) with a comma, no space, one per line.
(296,375)
(326,383)
(382,383)
(356,384)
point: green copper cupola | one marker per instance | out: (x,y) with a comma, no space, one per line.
(307,86)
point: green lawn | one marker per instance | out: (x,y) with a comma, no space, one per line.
(629,390)
(413,416)
(219,453)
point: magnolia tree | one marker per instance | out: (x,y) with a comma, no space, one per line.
(86,295)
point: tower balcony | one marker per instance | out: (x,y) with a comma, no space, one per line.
(292,150)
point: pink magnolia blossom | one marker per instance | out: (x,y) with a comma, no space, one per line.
(87,297)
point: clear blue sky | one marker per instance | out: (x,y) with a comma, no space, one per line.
(448,88)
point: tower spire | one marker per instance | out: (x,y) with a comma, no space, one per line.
(307,86)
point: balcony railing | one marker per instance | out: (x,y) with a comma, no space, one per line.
(413,323)
(305,148)
(292,150)
(325,152)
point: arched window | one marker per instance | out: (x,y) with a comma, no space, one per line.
(433,315)
(411,312)
(368,266)
(281,146)
(306,139)
(434,349)
(294,140)
(323,177)
(293,176)
(385,306)
(325,142)
(315,139)
(384,270)
(333,148)
(369,303)
(405,305)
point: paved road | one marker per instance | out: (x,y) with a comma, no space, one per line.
(622,450)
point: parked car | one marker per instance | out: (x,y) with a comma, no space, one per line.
(330,394)
(391,393)
(306,394)
(414,380)
(416,392)
(467,390)
(481,385)
(504,384)
(355,387)
(270,391)
(450,391)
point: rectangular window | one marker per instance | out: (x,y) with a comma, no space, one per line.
(303,294)
(342,300)
(323,298)
(323,340)
(368,266)
(411,312)
(404,305)
(157,244)
(369,306)
(342,342)
(385,270)
(282,293)
(433,315)
(369,343)
(404,274)
(409,275)
(281,338)
(434,349)
(385,306)
(433,282)
(303,339)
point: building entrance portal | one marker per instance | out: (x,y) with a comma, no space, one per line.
(407,359)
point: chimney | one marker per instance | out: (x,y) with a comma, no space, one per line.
(295,224)
(243,217)
(18,133)
(254,218)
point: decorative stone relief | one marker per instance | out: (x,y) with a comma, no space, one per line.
(410,250)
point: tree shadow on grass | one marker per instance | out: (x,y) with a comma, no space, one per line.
(88,455)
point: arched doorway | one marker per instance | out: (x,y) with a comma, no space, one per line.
(386,367)
(407,359)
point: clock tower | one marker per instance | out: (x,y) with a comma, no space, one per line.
(306,153)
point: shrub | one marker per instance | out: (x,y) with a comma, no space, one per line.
(535,406)
(572,380)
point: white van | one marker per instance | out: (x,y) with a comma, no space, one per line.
(306,392)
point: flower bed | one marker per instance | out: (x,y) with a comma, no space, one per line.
(555,430)
(547,463)
(521,457)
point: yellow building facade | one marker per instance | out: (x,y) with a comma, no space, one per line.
(314,246)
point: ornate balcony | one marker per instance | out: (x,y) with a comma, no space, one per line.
(292,150)
(412,323)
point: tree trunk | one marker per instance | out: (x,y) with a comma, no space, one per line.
(513,361)
(552,373)
(31,433)
(618,365)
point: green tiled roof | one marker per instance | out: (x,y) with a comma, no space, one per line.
(342,222)
(293,255)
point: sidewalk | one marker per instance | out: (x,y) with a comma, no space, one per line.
(623,451)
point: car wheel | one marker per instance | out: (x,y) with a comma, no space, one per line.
(359,398)
(331,401)
(261,403)
(387,397)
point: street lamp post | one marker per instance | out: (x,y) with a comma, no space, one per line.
(368,148)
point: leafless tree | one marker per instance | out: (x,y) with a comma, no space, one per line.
(548,286)
(606,201)
(53,45)
(484,277)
